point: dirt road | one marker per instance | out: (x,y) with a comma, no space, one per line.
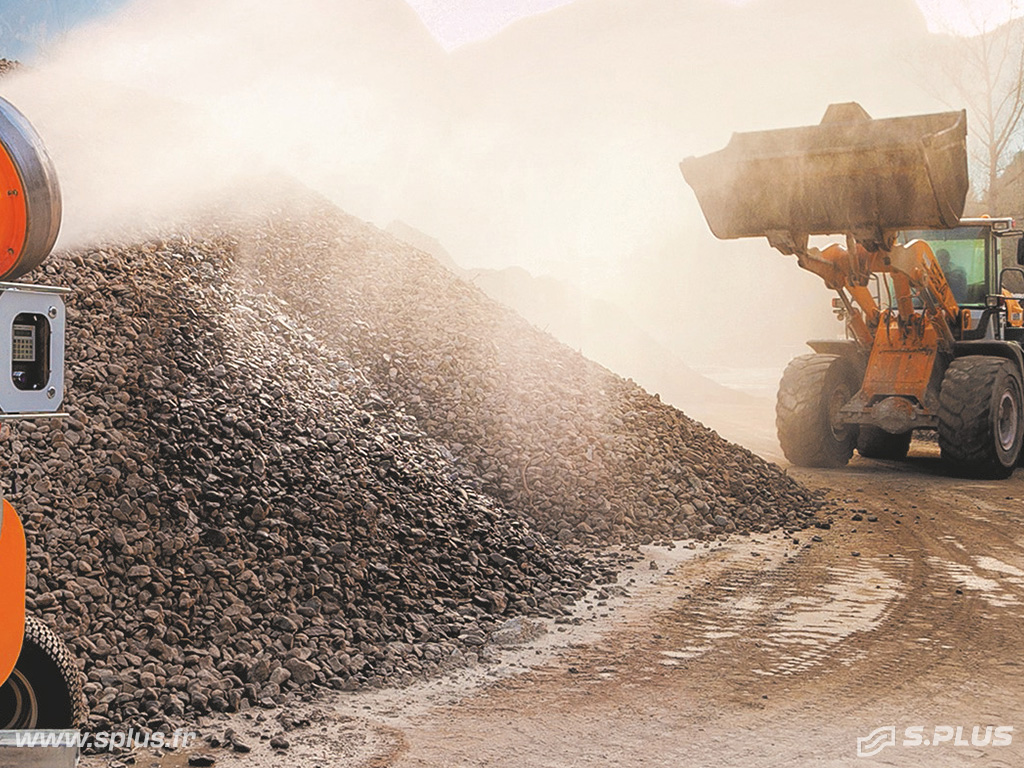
(913,620)
(764,651)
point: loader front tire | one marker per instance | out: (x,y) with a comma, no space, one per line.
(812,391)
(981,416)
(45,689)
(876,443)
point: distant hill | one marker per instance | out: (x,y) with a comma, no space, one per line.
(607,334)
(423,242)
(603,332)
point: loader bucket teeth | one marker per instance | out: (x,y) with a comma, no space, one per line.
(850,175)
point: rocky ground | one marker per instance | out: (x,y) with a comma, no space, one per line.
(301,454)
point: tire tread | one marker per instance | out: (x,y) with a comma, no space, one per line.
(965,403)
(64,714)
(799,411)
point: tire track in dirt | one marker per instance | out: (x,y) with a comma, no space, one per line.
(784,658)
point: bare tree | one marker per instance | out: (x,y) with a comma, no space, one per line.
(984,72)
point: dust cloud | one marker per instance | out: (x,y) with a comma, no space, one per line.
(553,145)
(164,105)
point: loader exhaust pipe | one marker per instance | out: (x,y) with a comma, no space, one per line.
(849,175)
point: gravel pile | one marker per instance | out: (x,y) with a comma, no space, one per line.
(587,456)
(233,515)
(303,454)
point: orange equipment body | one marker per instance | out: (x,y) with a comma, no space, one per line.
(902,360)
(13,212)
(1014,311)
(30,214)
(904,344)
(12,589)
(30,201)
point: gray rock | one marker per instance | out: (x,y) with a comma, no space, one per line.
(517,631)
(302,672)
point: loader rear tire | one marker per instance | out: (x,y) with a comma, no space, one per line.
(876,443)
(981,416)
(45,689)
(812,390)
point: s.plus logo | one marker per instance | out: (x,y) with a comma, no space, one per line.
(935,736)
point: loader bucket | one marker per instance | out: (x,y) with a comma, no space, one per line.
(850,174)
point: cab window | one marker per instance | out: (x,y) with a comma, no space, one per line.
(962,254)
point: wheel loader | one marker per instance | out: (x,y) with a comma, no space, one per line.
(40,686)
(931,301)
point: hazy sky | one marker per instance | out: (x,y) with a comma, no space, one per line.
(968,17)
(26,24)
(457,22)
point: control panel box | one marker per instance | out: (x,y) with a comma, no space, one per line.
(32,321)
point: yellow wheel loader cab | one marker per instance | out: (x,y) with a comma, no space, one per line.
(12,589)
